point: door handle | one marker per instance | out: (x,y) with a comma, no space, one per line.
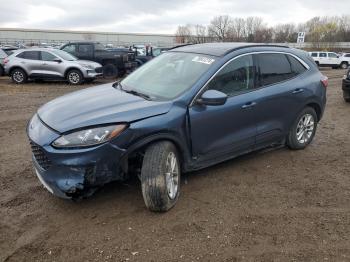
(298,90)
(249,105)
(45,64)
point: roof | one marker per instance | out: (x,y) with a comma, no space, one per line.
(219,49)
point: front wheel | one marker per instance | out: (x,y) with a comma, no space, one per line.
(75,77)
(160,176)
(303,129)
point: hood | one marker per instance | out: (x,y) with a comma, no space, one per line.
(87,62)
(98,105)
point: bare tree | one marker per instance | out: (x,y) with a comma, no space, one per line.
(182,34)
(219,27)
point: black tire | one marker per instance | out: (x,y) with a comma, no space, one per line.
(19,76)
(344,65)
(318,64)
(292,139)
(89,80)
(2,71)
(155,191)
(346,96)
(110,71)
(75,77)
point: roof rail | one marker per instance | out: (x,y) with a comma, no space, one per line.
(180,46)
(256,45)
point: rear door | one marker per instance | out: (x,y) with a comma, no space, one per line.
(30,62)
(280,96)
(230,128)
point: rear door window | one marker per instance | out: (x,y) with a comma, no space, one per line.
(274,68)
(314,54)
(323,54)
(297,67)
(30,55)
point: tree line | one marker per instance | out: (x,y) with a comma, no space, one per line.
(253,29)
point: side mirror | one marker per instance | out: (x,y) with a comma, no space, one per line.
(212,98)
(57,60)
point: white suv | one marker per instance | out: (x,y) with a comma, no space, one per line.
(330,59)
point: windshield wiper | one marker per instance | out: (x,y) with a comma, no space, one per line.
(133,92)
(136,93)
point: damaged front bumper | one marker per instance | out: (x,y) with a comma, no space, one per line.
(72,173)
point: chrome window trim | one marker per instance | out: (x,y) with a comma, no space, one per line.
(236,57)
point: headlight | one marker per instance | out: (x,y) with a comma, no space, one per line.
(89,137)
(86,66)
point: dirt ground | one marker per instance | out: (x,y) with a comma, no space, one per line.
(279,205)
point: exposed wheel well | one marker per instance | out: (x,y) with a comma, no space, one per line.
(135,156)
(317,109)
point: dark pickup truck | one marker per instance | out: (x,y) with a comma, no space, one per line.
(143,54)
(346,87)
(115,62)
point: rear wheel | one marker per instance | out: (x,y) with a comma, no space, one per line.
(303,129)
(160,176)
(75,77)
(19,76)
(344,65)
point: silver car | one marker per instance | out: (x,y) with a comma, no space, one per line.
(53,64)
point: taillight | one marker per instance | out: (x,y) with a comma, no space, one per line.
(324,81)
(6,60)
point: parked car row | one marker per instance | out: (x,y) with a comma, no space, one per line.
(331,59)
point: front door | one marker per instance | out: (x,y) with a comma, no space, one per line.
(227,129)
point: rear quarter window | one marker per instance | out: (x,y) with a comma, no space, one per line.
(30,55)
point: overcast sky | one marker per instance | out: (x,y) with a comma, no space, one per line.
(155,16)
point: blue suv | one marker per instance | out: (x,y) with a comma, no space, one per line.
(191,107)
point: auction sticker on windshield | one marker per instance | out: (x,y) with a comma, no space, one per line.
(203,59)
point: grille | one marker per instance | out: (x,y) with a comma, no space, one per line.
(98,70)
(40,156)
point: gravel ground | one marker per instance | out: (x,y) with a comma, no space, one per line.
(277,205)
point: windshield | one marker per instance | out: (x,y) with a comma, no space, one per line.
(64,55)
(168,75)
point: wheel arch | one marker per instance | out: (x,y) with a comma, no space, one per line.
(17,67)
(144,143)
(72,68)
(317,109)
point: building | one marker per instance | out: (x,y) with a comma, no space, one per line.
(39,36)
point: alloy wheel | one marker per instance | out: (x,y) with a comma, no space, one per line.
(18,76)
(172,175)
(305,128)
(74,77)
